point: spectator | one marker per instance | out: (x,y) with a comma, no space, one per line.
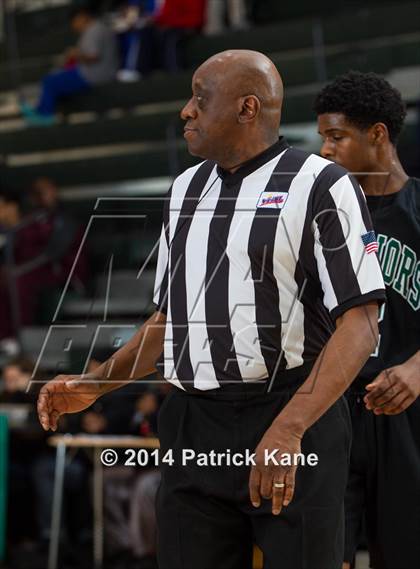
(177,20)
(142,522)
(134,34)
(77,513)
(130,493)
(92,62)
(45,244)
(144,421)
(26,440)
(16,376)
(60,235)
(9,212)
(9,217)
(110,416)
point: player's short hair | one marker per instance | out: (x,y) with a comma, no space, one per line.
(364,99)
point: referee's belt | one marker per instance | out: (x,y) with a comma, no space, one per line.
(283,380)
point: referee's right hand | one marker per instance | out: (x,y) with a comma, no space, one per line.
(275,482)
(65,394)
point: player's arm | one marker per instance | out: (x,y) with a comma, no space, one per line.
(395,388)
(73,393)
(336,367)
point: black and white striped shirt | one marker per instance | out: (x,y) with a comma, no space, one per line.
(255,266)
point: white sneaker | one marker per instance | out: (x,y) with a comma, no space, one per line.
(128,76)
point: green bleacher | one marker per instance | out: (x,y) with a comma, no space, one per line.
(48,35)
(143,131)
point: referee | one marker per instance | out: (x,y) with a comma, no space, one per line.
(267,306)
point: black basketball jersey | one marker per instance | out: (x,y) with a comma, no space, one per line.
(396,219)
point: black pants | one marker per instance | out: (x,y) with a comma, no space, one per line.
(205,518)
(384,486)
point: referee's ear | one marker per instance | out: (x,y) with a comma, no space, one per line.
(249,108)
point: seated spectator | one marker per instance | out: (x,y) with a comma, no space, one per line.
(92,62)
(9,213)
(10,216)
(130,494)
(55,237)
(144,421)
(77,512)
(45,246)
(142,522)
(16,376)
(110,415)
(25,441)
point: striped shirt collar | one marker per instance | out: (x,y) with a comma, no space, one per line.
(253,163)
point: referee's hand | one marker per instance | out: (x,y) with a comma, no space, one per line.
(269,480)
(65,394)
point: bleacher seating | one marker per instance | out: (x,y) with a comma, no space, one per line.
(127,295)
(348,27)
(166,93)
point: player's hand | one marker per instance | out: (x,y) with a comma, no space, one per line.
(394,389)
(266,474)
(65,394)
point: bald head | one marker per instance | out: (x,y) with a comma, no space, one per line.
(251,69)
(240,92)
(241,72)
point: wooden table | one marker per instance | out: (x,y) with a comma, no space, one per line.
(97,443)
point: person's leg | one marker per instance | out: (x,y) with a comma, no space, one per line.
(171,39)
(204,513)
(197,530)
(142,522)
(19,503)
(118,485)
(131,61)
(6,325)
(355,500)
(76,494)
(393,521)
(215,17)
(129,68)
(60,84)
(237,14)
(78,498)
(149,54)
(43,477)
(199,525)
(309,533)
